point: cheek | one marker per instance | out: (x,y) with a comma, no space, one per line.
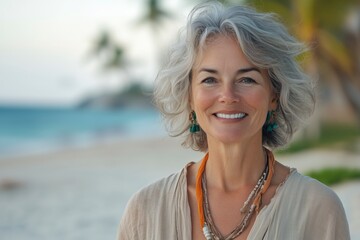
(201,99)
(258,99)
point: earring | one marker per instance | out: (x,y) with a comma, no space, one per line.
(270,124)
(194,126)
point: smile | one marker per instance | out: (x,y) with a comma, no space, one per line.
(230,116)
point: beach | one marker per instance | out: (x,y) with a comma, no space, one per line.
(81,193)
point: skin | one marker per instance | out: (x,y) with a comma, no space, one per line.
(224,81)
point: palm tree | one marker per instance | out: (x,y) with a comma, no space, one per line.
(110,53)
(155,15)
(112,58)
(320,24)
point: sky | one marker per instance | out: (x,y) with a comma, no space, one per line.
(45,47)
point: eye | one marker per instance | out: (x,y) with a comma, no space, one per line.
(247,80)
(209,80)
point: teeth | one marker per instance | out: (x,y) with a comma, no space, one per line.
(230,116)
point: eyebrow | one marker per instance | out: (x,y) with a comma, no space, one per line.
(240,71)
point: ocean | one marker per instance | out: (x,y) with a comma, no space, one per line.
(29,130)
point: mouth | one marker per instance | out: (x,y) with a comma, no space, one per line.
(231,116)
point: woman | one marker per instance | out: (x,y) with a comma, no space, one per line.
(232,89)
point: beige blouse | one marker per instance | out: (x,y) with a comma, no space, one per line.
(302,208)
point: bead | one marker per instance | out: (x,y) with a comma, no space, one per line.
(194,126)
(207,232)
(251,205)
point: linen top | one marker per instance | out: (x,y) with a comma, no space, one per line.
(302,208)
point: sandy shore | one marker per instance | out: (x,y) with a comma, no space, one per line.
(81,193)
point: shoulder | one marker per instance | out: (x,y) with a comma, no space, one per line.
(165,186)
(155,192)
(311,190)
(318,207)
(151,205)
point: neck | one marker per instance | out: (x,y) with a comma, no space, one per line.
(234,166)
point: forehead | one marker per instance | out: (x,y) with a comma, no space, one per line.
(221,49)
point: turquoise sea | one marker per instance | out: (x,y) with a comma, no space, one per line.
(26,130)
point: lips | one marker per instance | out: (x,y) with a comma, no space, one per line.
(231,115)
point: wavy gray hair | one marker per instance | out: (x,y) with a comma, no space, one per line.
(264,41)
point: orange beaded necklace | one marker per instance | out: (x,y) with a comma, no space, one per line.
(255,196)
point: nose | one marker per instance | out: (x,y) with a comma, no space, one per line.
(228,94)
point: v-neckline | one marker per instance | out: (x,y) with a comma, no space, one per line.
(278,192)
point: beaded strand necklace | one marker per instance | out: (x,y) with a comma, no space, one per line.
(209,229)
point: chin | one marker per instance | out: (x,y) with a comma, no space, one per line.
(230,138)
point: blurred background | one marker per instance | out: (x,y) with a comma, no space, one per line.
(78,131)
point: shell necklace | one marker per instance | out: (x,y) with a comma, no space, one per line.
(252,203)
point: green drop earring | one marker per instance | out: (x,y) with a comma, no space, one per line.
(270,124)
(194,126)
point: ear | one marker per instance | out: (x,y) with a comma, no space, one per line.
(190,95)
(274,102)
(274,97)
(191,101)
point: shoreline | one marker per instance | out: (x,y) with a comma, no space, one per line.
(73,145)
(313,159)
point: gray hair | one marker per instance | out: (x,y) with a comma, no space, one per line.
(264,41)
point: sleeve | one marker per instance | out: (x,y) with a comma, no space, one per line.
(327,215)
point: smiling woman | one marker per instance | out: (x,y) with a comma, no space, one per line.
(229,95)
(233,89)
(265,44)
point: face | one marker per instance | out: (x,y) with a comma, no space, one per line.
(229,95)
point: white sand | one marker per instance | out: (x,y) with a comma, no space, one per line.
(81,193)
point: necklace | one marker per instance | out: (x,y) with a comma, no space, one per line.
(209,229)
(241,227)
